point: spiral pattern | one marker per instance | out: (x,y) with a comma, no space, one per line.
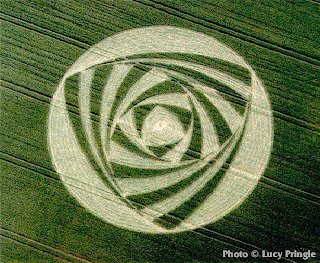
(176,144)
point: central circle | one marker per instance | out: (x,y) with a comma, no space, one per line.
(161,126)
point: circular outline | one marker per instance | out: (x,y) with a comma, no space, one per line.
(245,170)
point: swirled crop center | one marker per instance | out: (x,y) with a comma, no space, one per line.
(151,130)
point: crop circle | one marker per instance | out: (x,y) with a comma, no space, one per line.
(164,137)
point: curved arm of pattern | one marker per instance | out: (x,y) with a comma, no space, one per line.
(172,202)
(237,85)
(114,81)
(146,82)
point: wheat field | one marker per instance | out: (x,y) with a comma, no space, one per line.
(46,215)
